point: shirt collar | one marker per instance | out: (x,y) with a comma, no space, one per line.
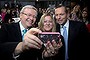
(66,24)
(21,26)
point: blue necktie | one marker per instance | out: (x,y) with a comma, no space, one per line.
(66,42)
(24,31)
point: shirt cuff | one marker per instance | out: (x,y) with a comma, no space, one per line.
(16,56)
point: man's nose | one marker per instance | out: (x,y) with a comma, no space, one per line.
(31,17)
(58,16)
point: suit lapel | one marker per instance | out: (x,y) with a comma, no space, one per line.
(58,28)
(71,34)
(19,36)
(71,30)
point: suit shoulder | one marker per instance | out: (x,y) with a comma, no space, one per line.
(10,25)
(77,23)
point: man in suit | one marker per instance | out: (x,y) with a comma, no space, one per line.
(13,45)
(75,46)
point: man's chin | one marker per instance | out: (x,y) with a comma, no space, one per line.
(29,25)
(60,23)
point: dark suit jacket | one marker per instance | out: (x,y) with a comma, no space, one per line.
(78,38)
(10,36)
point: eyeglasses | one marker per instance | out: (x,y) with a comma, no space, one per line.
(29,15)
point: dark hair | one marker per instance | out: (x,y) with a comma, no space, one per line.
(61,5)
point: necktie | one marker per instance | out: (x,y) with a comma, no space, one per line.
(24,31)
(66,42)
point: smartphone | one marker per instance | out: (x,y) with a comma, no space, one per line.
(49,36)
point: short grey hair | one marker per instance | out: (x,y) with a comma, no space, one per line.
(28,6)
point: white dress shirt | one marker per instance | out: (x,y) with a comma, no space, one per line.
(66,41)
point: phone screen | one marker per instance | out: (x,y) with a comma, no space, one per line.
(49,36)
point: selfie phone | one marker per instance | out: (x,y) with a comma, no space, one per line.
(49,36)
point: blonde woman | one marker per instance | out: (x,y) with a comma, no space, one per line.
(47,23)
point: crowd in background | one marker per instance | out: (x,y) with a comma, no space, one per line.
(21,41)
(76,11)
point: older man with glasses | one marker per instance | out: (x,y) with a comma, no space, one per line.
(18,40)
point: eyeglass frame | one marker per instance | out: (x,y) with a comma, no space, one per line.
(29,15)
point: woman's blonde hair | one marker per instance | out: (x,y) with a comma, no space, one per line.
(40,24)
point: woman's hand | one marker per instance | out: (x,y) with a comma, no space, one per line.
(52,48)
